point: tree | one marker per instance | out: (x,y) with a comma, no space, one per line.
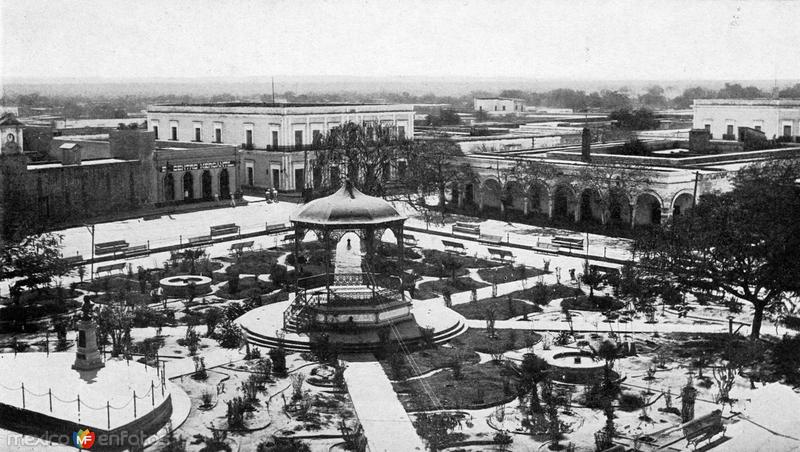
(436,427)
(433,165)
(191,256)
(591,277)
(611,182)
(745,242)
(609,387)
(115,321)
(532,371)
(366,152)
(452,265)
(34,261)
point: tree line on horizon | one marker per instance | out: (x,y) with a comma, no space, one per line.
(655,97)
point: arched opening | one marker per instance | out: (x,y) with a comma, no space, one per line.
(492,193)
(682,204)
(454,193)
(619,208)
(469,194)
(648,210)
(224,184)
(564,202)
(169,187)
(514,196)
(539,199)
(206,183)
(188,186)
(591,206)
(348,254)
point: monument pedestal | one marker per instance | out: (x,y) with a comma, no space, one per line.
(87,356)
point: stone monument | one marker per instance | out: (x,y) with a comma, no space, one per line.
(87,356)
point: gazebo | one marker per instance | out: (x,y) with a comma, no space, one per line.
(347,300)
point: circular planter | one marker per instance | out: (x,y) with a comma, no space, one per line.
(575,367)
(178,286)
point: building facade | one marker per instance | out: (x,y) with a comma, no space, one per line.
(499,105)
(776,118)
(276,140)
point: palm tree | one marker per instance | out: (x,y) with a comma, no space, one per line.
(533,371)
(610,388)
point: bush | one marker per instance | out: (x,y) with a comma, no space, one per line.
(630,402)
(237,407)
(786,358)
(278,357)
(279,444)
(229,335)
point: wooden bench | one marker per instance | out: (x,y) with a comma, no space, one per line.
(275,228)
(491,238)
(467,228)
(224,229)
(501,255)
(409,240)
(133,251)
(547,248)
(567,242)
(110,268)
(454,247)
(604,269)
(289,238)
(703,428)
(110,247)
(200,239)
(239,247)
(73,260)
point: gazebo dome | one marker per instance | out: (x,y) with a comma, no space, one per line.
(348,206)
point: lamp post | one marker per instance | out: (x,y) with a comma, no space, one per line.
(90,228)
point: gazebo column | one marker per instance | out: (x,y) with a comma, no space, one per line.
(370,244)
(327,235)
(398,232)
(298,232)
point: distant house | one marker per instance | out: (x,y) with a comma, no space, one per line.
(499,105)
(776,118)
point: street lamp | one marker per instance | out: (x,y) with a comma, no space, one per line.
(90,228)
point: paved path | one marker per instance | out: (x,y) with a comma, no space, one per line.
(386,424)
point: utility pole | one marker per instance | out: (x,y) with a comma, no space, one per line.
(90,228)
(694,195)
(273,90)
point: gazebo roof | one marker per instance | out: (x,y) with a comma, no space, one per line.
(347,207)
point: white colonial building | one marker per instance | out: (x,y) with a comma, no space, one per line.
(499,105)
(722,117)
(276,139)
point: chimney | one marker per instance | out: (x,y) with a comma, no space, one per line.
(586,145)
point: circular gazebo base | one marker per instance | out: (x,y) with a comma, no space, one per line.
(264,327)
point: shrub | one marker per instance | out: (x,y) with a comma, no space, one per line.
(280,444)
(206,397)
(229,335)
(786,358)
(278,357)
(630,402)
(237,407)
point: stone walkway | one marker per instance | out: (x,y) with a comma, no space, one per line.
(386,424)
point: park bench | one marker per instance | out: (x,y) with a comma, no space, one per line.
(275,228)
(491,238)
(547,248)
(604,269)
(501,255)
(454,247)
(239,247)
(703,428)
(289,238)
(467,228)
(110,247)
(567,242)
(200,239)
(73,260)
(111,268)
(409,240)
(134,251)
(224,229)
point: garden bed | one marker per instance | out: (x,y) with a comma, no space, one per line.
(432,289)
(592,303)
(508,273)
(504,308)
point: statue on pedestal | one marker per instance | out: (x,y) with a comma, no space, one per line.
(87,356)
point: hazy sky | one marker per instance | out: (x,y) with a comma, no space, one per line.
(537,39)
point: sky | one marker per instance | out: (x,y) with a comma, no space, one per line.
(581,40)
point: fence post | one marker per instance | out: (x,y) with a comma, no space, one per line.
(79,406)
(152,394)
(180,240)
(604,251)
(108,414)
(134,403)
(50,397)
(23,395)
